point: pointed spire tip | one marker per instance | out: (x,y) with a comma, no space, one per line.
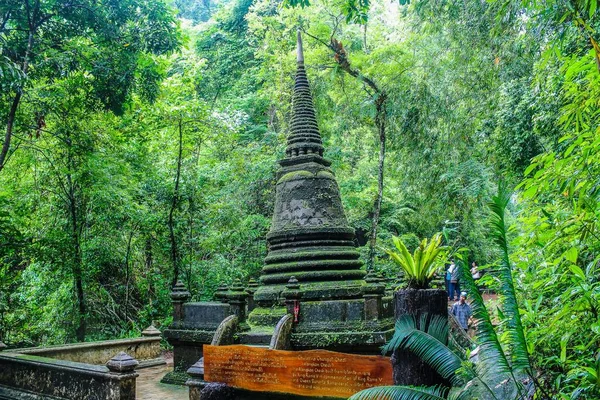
(300,50)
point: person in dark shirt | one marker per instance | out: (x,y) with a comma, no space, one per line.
(462,311)
(454,284)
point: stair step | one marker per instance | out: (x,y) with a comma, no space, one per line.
(256,338)
(262,346)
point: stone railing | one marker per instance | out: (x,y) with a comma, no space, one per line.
(145,349)
(36,378)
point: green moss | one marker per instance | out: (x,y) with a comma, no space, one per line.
(342,253)
(325,174)
(189,335)
(268,311)
(265,317)
(175,378)
(290,176)
(307,276)
(304,266)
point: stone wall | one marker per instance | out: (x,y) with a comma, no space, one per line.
(145,349)
(32,377)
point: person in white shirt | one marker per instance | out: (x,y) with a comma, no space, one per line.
(475,273)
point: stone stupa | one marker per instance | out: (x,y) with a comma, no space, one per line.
(313,281)
(310,238)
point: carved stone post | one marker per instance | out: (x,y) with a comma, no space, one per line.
(151,331)
(124,365)
(292,296)
(237,300)
(152,345)
(252,286)
(221,293)
(179,296)
(374,291)
(196,382)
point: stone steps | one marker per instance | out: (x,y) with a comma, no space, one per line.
(256,338)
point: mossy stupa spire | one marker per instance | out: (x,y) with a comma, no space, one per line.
(304,135)
(310,238)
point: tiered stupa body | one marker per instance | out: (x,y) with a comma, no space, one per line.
(312,293)
(309,238)
(312,266)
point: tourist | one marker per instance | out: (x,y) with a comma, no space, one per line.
(475,273)
(447,281)
(454,281)
(462,311)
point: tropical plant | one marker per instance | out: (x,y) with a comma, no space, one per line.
(420,267)
(499,372)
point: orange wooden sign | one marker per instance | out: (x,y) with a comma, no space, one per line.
(312,373)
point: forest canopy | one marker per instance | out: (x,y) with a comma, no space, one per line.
(140,142)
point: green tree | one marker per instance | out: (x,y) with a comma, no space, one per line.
(46,40)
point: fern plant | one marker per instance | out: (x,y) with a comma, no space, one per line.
(420,267)
(500,373)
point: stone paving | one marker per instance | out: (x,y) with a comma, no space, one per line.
(148,386)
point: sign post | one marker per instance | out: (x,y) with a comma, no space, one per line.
(309,373)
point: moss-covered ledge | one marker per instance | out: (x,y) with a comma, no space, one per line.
(24,376)
(145,349)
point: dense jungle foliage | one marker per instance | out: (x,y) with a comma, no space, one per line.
(140,139)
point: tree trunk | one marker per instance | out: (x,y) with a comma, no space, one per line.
(148,262)
(380,122)
(76,227)
(12,113)
(408,368)
(9,129)
(380,97)
(127,254)
(174,252)
(77,259)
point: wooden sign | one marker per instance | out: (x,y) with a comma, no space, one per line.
(312,373)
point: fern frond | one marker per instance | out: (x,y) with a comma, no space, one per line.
(401,393)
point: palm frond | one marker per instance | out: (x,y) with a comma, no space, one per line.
(401,393)
(437,327)
(427,343)
(493,362)
(438,356)
(517,343)
(404,325)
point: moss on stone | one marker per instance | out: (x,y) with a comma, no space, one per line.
(189,335)
(265,316)
(175,378)
(326,174)
(325,254)
(309,276)
(306,266)
(290,176)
